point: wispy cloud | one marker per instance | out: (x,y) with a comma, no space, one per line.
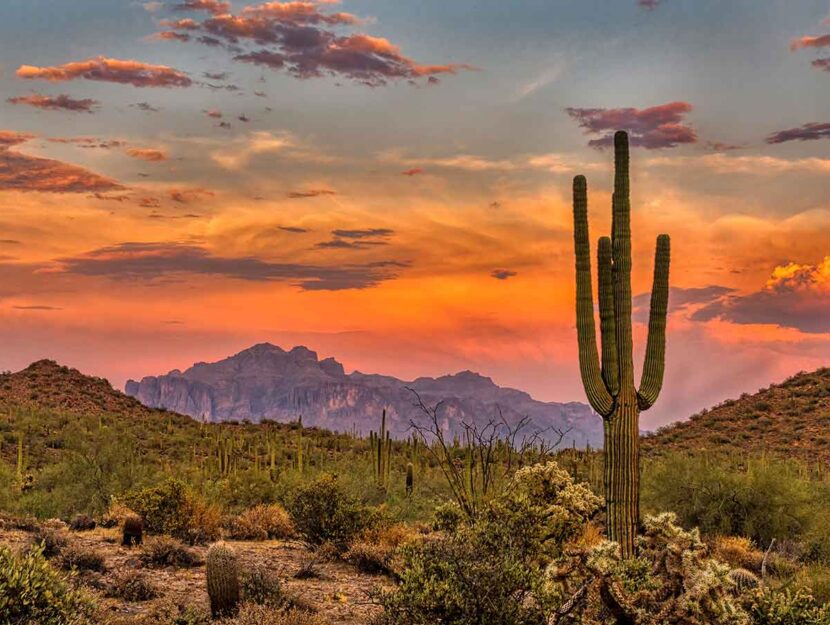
(106,69)
(807,132)
(155,260)
(56,103)
(151,155)
(299,195)
(21,172)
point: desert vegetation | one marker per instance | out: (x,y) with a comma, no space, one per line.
(114,513)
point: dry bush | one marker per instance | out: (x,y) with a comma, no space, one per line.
(82,558)
(261,586)
(205,523)
(52,541)
(738,552)
(375,549)
(82,523)
(164,551)
(262,522)
(116,514)
(132,586)
(252,614)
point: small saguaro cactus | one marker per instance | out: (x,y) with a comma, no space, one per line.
(610,386)
(410,479)
(133,531)
(222,579)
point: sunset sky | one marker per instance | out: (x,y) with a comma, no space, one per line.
(388,182)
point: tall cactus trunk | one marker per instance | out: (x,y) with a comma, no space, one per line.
(622,475)
(610,386)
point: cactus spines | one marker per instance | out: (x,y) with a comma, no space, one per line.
(410,479)
(133,531)
(610,385)
(222,579)
(743,580)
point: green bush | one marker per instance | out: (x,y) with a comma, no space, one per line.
(787,608)
(493,570)
(33,593)
(173,508)
(763,500)
(323,513)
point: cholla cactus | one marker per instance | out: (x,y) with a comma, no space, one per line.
(222,579)
(671,581)
(610,387)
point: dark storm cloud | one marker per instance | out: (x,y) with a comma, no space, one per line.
(152,261)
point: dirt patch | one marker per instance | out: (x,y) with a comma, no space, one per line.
(338,591)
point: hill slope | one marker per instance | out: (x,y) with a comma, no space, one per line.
(267,382)
(49,386)
(787,419)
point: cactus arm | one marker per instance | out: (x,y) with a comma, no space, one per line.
(622,261)
(607,324)
(652,379)
(598,395)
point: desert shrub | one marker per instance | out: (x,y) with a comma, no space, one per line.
(50,541)
(116,514)
(260,586)
(323,513)
(82,523)
(253,614)
(262,522)
(75,556)
(32,592)
(374,550)
(173,508)
(164,551)
(787,607)
(493,569)
(447,517)
(738,552)
(132,586)
(764,500)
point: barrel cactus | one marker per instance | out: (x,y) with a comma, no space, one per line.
(610,385)
(133,530)
(222,579)
(743,580)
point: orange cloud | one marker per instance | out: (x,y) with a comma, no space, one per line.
(216,7)
(299,37)
(56,103)
(21,172)
(652,128)
(105,69)
(148,154)
(820,41)
(294,195)
(186,196)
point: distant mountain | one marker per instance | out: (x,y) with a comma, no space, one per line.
(788,419)
(267,382)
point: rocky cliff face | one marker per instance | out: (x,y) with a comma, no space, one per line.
(267,382)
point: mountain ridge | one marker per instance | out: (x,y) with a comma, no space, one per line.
(266,381)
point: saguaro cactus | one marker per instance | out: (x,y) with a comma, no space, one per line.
(610,386)
(222,579)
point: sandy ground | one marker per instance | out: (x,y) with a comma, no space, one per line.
(339,592)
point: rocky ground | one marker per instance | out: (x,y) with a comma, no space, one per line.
(337,591)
